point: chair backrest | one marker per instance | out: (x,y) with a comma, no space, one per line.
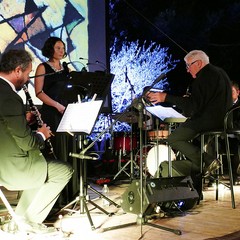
(229,119)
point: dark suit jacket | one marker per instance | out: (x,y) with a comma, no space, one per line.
(210,99)
(22,164)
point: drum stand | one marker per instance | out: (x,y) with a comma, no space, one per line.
(142,219)
(131,161)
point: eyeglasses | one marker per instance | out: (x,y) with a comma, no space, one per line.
(188,65)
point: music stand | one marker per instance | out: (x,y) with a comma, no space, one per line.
(77,119)
(88,84)
(87,113)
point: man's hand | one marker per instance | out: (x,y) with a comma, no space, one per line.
(30,117)
(45,130)
(156,97)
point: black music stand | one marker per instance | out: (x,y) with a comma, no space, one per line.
(87,113)
(83,124)
(87,84)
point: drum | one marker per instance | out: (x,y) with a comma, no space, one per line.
(157,135)
(122,141)
(156,156)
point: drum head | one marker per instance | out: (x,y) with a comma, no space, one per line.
(156,156)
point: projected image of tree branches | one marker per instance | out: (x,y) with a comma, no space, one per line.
(142,64)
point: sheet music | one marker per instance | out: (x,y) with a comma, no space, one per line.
(80,117)
(164,112)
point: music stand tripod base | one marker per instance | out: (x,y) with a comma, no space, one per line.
(83,201)
(143,221)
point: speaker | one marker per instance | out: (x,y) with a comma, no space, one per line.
(159,191)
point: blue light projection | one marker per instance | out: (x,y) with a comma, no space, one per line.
(141,64)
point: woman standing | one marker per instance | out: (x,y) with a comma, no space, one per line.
(49,88)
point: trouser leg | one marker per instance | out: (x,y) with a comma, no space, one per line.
(35,204)
(181,140)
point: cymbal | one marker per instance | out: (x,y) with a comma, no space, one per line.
(129,117)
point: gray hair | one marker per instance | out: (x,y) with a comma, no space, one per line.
(197,55)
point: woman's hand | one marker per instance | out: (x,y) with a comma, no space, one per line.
(60,107)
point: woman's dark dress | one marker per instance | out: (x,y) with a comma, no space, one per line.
(55,86)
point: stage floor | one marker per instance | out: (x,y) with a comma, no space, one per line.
(209,219)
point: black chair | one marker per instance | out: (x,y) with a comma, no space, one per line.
(228,131)
(215,135)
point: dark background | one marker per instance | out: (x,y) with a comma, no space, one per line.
(181,25)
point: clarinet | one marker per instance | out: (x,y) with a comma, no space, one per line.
(35,111)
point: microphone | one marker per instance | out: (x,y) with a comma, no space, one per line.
(102,63)
(82,156)
(91,63)
(81,58)
(65,67)
(84,68)
(72,62)
(158,79)
(97,62)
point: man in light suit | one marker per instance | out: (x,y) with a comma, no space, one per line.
(22,165)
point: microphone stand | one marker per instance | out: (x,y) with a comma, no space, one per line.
(43,75)
(127,80)
(48,74)
(142,219)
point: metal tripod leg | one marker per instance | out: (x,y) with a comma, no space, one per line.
(124,167)
(103,196)
(145,222)
(131,162)
(83,200)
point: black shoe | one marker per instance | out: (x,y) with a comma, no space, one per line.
(215,165)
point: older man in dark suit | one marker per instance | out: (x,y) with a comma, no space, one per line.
(22,165)
(205,108)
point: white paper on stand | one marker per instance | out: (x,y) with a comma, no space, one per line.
(164,112)
(80,117)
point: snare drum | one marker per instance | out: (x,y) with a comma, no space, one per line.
(157,135)
(156,156)
(122,141)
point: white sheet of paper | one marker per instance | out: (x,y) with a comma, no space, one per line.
(80,117)
(164,112)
